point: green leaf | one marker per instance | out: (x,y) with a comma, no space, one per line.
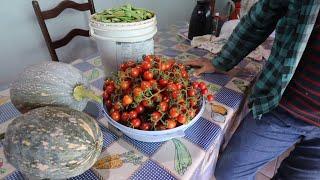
(97,62)
(182,158)
(213,87)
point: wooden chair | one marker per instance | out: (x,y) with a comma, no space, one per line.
(52,13)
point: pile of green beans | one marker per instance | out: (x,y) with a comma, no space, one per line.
(123,14)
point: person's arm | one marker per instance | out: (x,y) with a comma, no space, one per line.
(253,29)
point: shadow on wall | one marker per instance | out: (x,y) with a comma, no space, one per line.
(78,47)
(22,43)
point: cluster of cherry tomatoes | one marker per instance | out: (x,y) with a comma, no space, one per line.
(154,94)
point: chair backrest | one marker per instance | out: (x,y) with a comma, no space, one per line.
(54,12)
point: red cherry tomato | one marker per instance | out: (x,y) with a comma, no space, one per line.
(135,122)
(204,91)
(171,62)
(172,87)
(146,65)
(193,102)
(117,106)
(184,74)
(171,123)
(139,109)
(110,89)
(137,92)
(125,85)
(163,106)
(109,82)
(147,75)
(161,127)
(145,126)
(148,58)
(175,94)
(192,113)
(202,85)
(168,66)
(181,101)
(108,103)
(182,119)
(183,111)
(157,98)
(163,66)
(191,92)
(123,67)
(210,97)
(195,85)
(181,66)
(179,86)
(115,115)
(135,72)
(153,82)
(157,59)
(155,116)
(130,63)
(145,85)
(127,100)
(146,103)
(133,114)
(163,82)
(166,99)
(125,116)
(105,95)
(127,91)
(112,110)
(139,68)
(174,112)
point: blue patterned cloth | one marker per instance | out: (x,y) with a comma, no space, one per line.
(189,157)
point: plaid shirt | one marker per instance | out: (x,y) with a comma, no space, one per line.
(293,21)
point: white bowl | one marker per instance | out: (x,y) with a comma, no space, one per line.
(154,136)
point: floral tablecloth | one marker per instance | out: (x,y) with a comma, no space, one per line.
(189,157)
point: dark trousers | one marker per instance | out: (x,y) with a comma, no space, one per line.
(258,142)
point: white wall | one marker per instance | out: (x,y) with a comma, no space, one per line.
(22,44)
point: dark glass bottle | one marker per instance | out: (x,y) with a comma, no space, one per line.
(201,22)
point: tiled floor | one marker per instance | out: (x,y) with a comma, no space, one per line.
(270,169)
(261,176)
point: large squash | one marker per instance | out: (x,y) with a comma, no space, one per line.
(51,84)
(53,142)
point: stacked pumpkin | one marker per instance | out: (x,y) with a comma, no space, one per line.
(53,139)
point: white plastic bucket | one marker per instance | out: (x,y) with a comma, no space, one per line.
(118,42)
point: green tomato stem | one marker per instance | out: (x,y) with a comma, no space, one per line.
(80,92)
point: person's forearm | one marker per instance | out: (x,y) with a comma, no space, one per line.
(252,30)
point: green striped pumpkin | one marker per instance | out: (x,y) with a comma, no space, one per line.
(51,84)
(53,142)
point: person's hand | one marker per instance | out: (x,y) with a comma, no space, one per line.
(203,65)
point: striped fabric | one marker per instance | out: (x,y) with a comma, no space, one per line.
(293,21)
(302,96)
